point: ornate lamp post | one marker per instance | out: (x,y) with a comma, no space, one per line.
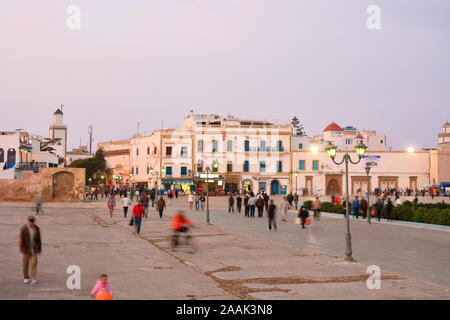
(157,173)
(215,165)
(360,150)
(368,193)
(296,191)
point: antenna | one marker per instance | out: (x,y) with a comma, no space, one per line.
(137,130)
(62,106)
(91,139)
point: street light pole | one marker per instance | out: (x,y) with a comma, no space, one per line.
(296,191)
(207,195)
(368,193)
(360,150)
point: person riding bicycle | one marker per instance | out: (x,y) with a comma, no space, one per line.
(180,222)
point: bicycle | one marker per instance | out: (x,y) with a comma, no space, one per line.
(183,239)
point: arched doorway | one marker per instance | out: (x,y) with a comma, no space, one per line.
(333,187)
(275,187)
(247,186)
(63,183)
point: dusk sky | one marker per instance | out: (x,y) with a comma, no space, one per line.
(151,61)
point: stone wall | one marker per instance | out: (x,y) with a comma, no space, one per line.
(54,184)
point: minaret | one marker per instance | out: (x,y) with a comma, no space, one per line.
(58,130)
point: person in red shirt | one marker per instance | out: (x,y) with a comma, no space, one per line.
(179,224)
(138,212)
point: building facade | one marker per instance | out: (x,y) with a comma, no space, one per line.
(237,155)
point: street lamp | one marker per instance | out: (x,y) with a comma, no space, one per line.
(296,191)
(360,150)
(157,173)
(368,193)
(215,165)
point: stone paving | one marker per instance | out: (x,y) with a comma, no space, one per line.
(237,257)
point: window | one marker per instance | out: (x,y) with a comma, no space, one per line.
(262,186)
(148,150)
(246,167)
(262,145)
(137,170)
(169,171)
(280,145)
(348,141)
(301,165)
(11,158)
(168,151)
(200,166)
(229,166)
(300,146)
(183,171)
(214,146)
(148,170)
(279,166)
(229,146)
(132,170)
(246,146)
(200,146)
(215,168)
(184,151)
(155,150)
(2,155)
(137,151)
(315,164)
(262,166)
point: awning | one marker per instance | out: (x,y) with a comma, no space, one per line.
(445,184)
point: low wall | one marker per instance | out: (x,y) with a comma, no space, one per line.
(59,184)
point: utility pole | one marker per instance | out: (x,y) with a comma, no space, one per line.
(91,139)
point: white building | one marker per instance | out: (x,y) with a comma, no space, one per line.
(19,152)
(77,154)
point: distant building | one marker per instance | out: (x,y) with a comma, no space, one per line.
(440,159)
(77,154)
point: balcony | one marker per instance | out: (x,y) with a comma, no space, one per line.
(33,165)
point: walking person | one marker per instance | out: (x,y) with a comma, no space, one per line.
(246,205)
(266,200)
(303,215)
(138,213)
(284,208)
(355,207)
(238,203)
(39,202)
(145,203)
(317,206)
(126,202)
(161,205)
(379,207)
(111,204)
(271,211)
(102,290)
(169,197)
(363,207)
(252,204)
(197,201)
(202,201)
(30,246)
(191,200)
(231,203)
(260,205)
(152,197)
(389,206)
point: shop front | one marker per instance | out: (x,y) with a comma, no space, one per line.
(216,183)
(186,186)
(232,183)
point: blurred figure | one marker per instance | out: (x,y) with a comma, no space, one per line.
(303,215)
(317,206)
(126,202)
(238,203)
(231,203)
(111,204)
(138,213)
(284,208)
(102,290)
(39,202)
(161,205)
(30,246)
(271,211)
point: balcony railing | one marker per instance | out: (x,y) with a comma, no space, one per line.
(32,165)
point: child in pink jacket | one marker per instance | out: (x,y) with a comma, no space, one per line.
(102,290)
